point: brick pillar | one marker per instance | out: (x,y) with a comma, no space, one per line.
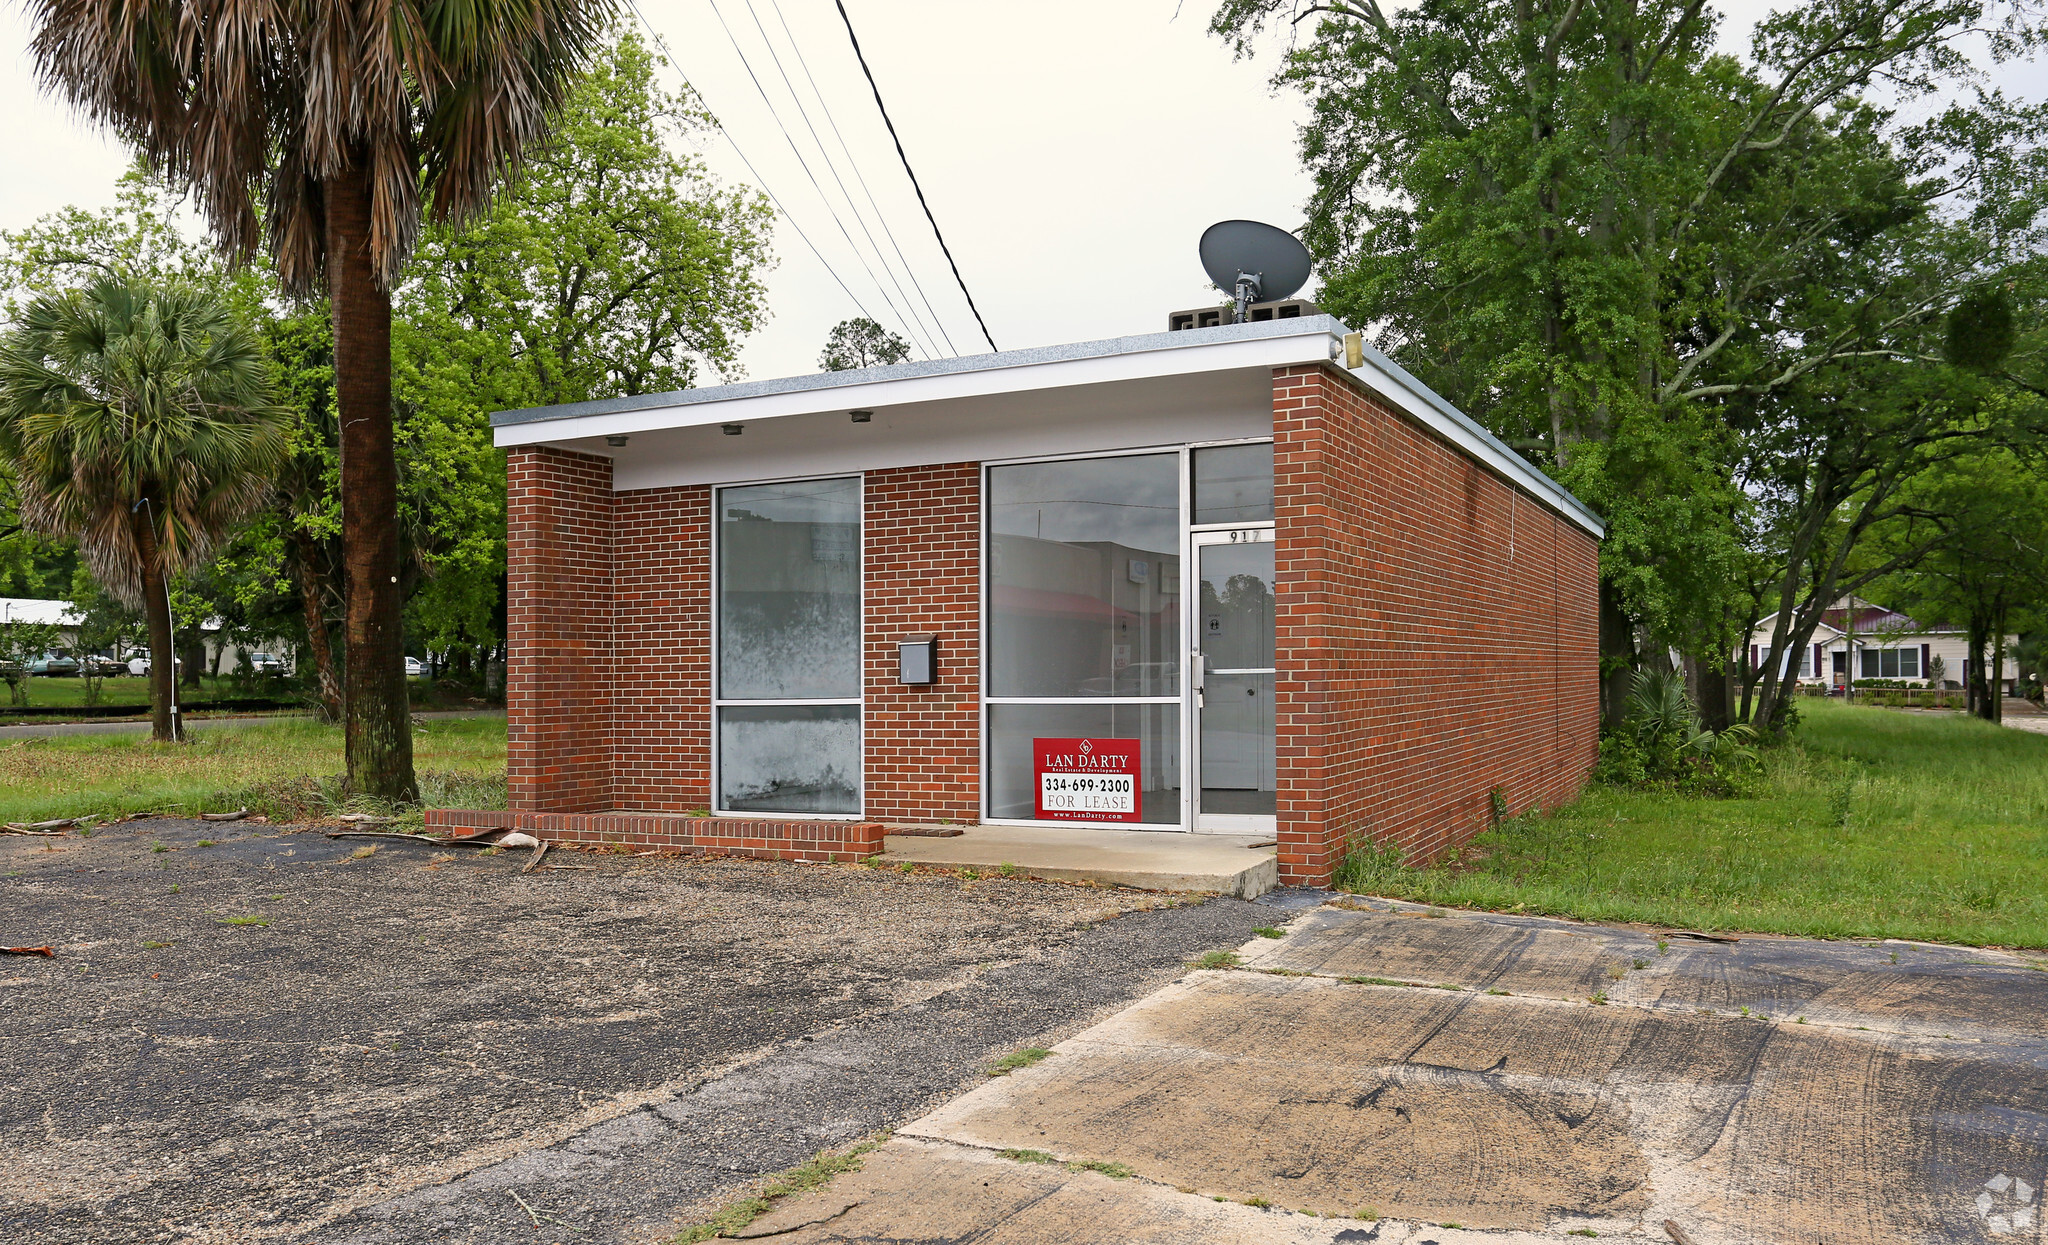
(1300,501)
(922,578)
(559,535)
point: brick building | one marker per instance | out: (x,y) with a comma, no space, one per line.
(1211,581)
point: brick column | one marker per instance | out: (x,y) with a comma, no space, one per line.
(922,577)
(661,625)
(558,677)
(1301,501)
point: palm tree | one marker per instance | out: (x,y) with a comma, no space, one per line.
(318,130)
(140,421)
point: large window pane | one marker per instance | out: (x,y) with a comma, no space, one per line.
(1234,484)
(1084,578)
(789,758)
(1236,615)
(1013,778)
(789,591)
(1238,745)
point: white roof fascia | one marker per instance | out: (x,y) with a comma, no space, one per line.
(1280,343)
(708,406)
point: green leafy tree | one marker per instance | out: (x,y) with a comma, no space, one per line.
(860,342)
(141,422)
(1631,256)
(1983,519)
(21,642)
(322,133)
(106,626)
(611,265)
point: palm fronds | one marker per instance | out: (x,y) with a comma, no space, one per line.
(120,392)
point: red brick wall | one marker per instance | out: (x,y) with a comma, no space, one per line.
(923,538)
(661,753)
(1436,636)
(559,528)
(847,842)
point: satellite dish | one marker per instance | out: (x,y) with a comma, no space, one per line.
(1255,262)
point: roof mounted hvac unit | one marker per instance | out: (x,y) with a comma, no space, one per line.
(1259,266)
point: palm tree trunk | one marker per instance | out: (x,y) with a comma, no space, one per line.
(314,607)
(156,609)
(379,726)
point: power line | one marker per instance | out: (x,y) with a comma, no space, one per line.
(894,137)
(833,169)
(739,151)
(806,166)
(908,269)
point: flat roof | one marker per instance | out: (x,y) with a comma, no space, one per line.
(1231,347)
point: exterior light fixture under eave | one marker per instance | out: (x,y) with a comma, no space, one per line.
(861,417)
(732,430)
(615,441)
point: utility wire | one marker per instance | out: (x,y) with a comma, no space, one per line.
(739,151)
(908,269)
(806,166)
(833,169)
(894,137)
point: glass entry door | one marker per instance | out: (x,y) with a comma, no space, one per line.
(1234,681)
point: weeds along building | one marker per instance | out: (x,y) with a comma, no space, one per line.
(1251,579)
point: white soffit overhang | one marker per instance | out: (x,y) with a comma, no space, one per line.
(1126,392)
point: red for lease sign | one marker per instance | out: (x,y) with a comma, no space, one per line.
(1087,779)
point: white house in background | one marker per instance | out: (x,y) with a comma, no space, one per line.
(1876,643)
(65,617)
(59,614)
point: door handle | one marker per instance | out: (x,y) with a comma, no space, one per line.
(1198,667)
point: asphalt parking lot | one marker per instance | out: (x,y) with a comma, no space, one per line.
(274,1038)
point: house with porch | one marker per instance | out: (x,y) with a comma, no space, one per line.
(1862,640)
(1198,587)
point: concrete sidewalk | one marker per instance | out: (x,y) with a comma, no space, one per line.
(1395,1076)
(53,729)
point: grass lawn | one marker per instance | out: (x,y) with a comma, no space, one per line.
(1870,823)
(130,690)
(290,770)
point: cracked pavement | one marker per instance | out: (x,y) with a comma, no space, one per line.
(389,1048)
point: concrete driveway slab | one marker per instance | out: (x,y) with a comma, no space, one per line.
(1537,1111)
(924,1191)
(1899,987)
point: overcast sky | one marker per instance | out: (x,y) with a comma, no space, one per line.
(1072,150)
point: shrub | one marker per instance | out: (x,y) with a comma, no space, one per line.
(1662,741)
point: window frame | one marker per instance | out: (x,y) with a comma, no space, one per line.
(718,701)
(1874,655)
(1184,545)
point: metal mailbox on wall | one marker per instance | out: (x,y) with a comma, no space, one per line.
(917,661)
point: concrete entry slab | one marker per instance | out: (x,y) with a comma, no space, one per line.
(1227,864)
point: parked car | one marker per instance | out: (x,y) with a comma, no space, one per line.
(265,663)
(102,666)
(139,664)
(54,665)
(414,668)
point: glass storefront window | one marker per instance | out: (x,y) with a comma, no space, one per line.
(1233,484)
(1084,578)
(1013,777)
(789,629)
(789,591)
(789,758)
